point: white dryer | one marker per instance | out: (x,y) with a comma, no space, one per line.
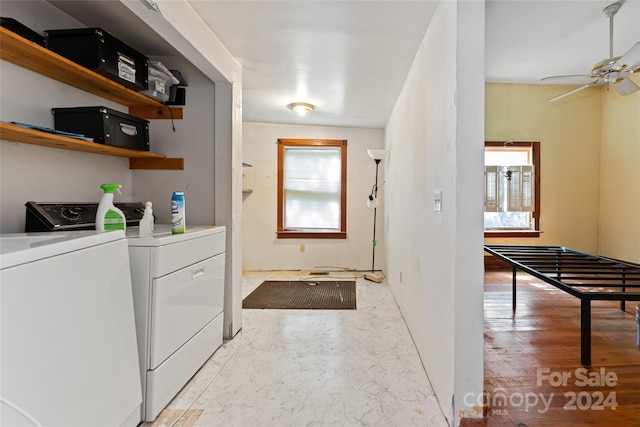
(68,343)
(178,290)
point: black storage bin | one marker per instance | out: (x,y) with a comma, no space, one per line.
(177,93)
(22,30)
(104,125)
(101,52)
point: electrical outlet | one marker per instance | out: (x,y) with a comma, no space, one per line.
(302,248)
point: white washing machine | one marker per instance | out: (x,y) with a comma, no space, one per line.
(68,342)
(178,290)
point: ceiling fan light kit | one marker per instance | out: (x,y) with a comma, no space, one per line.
(613,71)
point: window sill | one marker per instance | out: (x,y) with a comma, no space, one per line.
(292,234)
(511,233)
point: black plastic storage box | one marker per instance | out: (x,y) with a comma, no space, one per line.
(104,125)
(22,30)
(103,53)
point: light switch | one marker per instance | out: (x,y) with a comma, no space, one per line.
(437,200)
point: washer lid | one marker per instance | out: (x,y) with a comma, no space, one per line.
(22,248)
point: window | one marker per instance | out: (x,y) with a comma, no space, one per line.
(512,189)
(312,188)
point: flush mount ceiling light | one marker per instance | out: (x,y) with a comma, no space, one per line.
(301,108)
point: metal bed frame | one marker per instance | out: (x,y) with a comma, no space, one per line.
(585,276)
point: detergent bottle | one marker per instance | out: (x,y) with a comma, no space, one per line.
(108,217)
(178,221)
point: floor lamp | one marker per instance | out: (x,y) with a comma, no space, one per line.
(372,202)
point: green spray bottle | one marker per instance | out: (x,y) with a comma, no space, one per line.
(109,217)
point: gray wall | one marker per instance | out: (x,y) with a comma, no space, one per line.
(41,174)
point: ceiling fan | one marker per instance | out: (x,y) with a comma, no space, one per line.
(613,71)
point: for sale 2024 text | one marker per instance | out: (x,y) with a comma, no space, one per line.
(582,377)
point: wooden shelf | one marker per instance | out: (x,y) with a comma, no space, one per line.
(246,190)
(12,132)
(157,164)
(34,57)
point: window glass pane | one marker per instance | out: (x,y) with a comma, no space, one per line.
(312,183)
(499,220)
(510,157)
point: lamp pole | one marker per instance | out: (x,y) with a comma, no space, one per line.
(375,209)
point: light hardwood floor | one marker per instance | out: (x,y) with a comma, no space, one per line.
(533,375)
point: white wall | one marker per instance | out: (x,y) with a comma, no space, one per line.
(261,249)
(435,138)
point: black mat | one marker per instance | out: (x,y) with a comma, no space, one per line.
(311,295)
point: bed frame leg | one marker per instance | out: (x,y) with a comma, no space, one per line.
(585,331)
(513,289)
(624,289)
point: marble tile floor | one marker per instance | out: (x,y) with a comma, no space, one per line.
(312,368)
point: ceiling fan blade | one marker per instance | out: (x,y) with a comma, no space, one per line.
(625,86)
(571,92)
(630,60)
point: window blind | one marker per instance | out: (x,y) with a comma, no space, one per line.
(311,187)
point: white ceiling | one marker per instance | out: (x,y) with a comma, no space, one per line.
(529,40)
(350,58)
